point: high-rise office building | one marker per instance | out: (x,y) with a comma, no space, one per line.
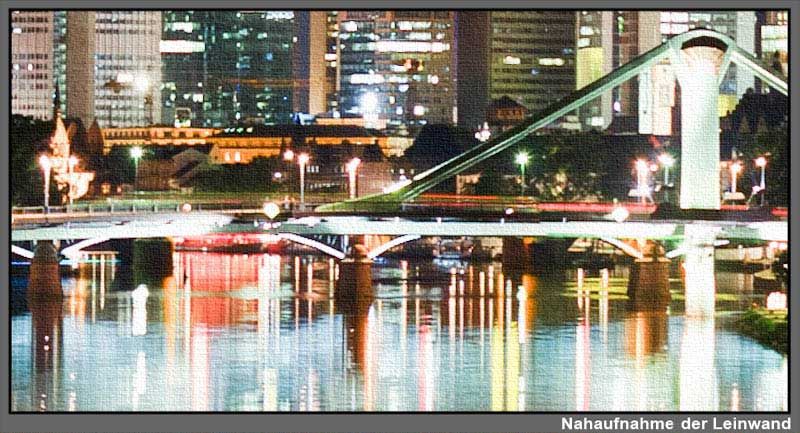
(606,40)
(532,56)
(234,67)
(773,43)
(34,70)
(183,60)
(114,67)
(396,67)
(594,59)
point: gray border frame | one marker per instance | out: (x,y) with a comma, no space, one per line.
(352,422)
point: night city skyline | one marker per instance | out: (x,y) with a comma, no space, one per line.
(399,210)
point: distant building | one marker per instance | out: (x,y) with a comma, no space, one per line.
(532,56)
(505,113)
(34,69)
(374,172)
(240,145)
(229,67)
(171,173)
(774,41)
(114,67)
(108,138)
(397,66)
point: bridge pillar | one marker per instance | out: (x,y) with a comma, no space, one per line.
(698,267)
(518,253)
(152,259)
(648,284)
(44,281)
(354,285)
(697,69)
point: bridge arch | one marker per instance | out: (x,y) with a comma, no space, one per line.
(71,252)
(327,249)
(22,252)
(391,244)
(624,247)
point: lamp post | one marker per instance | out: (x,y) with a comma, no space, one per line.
(736,167)
(762,162)
(46,164)
(641,179)
(71,163)
(522,160)
(136,154)
(352,168)
(302,160)
(667,161)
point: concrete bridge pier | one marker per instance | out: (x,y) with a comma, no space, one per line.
(354,285)
(44,281)
(152,259)
(518,254)
(648,284)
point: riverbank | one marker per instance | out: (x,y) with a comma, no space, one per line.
(770,328)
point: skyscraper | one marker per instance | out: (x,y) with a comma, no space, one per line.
(606,40)
(773,46)
(114,67)
(532,56)
(229,67)
(397,67)
(33,63)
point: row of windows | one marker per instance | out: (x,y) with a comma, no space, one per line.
(29,19)
(29,56)
(18,30)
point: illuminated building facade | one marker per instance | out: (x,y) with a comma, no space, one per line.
(607,40)
(34,69)
(226,68)
(397,66)
(774,40)
(114,67)
(532,56)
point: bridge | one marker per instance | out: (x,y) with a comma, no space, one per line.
(700,59)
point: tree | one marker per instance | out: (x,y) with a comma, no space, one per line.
(28,137)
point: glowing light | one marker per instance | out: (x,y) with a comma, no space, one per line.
(288,155)
(761,161)
(666,160)
(136,152)
(620,214)
(303,159)
(521,158)
(186,207)
(511,60)
(45,163)
(369,103)
(271,210)
(776,301)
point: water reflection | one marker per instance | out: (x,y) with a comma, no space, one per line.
(267,333)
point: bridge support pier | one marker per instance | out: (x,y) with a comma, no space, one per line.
(648,284)
(518,254)
(44,281)
(152,259)
(354,285)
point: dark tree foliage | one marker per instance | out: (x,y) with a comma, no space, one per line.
(253,177)
(27,139)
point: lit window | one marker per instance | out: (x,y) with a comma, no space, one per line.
(227,156)
(237,156)
(419,110)
(511,60)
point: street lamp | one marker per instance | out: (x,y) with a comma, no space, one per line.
(136,154)
(302,160)
(46,164)
(641,179)
(522,160)
(762,162)
(71,163)
(667,161)
(352,168)
(736,167)
(288,155)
